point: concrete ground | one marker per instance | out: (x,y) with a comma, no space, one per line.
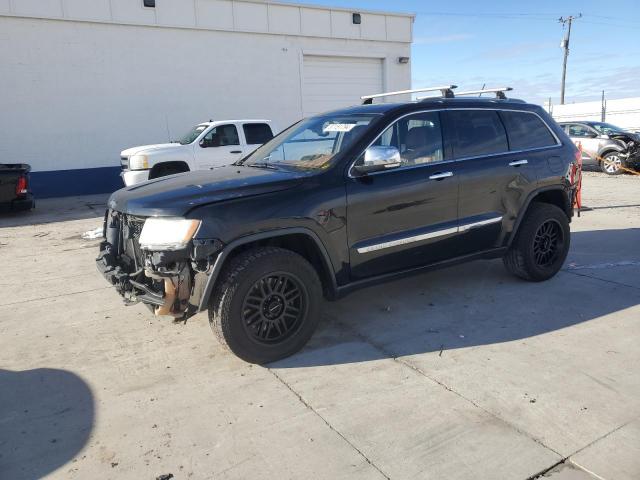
(455,374)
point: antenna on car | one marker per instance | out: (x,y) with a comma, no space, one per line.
(446,90)
(499,91)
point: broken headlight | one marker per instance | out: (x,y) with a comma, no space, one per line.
(167,233)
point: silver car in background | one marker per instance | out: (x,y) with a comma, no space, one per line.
(604,145)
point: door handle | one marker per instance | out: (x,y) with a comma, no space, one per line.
(517,163)
(235,151)
(440,176)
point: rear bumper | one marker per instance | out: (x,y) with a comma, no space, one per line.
(18,204)
(133,177)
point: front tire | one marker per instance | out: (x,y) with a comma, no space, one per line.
(541,244)
(611,163)
(267,304)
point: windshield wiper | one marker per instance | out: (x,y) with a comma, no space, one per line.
(270,166)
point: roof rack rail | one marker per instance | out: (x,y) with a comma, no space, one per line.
(499,91)
(446,90)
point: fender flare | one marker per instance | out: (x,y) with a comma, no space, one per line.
(527,203)
(230,247)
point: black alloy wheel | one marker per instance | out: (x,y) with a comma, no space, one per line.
(274,307)
(541,243)
(548,243)
(266,304)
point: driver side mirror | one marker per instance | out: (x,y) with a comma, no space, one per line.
(591,135)
(377,158)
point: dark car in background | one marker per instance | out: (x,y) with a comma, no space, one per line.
(14,187)
(604,145)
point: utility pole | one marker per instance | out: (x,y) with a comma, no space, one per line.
(565,44)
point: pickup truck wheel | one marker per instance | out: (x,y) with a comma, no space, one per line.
(266,305)
(611,163)
(541,244)
(162,170)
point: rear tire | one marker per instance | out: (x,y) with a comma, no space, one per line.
(267,304)
(611,163)
(541,244)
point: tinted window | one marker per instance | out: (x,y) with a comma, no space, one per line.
(477,132)
(221,136)
(417,137)
(257,133)
(577,130)
(526,130)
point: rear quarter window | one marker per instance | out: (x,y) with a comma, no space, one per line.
(526,130)
(257,133)
(477,133)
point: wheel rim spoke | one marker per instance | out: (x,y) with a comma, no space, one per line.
(274,308)
(547,243)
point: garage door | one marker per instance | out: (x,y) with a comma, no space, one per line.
(337,82)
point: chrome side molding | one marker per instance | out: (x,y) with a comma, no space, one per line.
(425,236)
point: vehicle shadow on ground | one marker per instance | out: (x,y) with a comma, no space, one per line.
(46,416)
(51,210)
(476,304)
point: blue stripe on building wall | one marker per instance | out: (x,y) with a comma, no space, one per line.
(83,181)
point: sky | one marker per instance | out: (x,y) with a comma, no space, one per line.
(517,44)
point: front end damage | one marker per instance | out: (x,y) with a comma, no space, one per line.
(631,145)
(168,282)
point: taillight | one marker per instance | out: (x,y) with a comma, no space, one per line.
(21,186)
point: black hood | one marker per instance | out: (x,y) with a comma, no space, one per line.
(175,195)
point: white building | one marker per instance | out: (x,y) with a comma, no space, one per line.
(623,112)
(83,79)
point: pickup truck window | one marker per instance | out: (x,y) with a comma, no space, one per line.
(257,133)
(312,143)
(192,134)
(221,136)
(477,133)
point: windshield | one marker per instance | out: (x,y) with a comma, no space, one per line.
(192,134)
(606,128)
(311,143)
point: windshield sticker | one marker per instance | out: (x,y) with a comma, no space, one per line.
(339,127)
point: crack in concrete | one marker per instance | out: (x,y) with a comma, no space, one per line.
(613,282)
(53,296)
(419,371)
(326,422)
(569,459)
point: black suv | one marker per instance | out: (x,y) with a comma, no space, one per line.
(339,201)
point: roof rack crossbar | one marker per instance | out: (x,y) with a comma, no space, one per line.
(446,90)
(498,91)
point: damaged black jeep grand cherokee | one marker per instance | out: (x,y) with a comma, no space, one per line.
(339,201)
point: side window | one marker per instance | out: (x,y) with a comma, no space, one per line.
(526,130)
(257,133)
(477,132)
(577,130)
(221,136)
(417,137)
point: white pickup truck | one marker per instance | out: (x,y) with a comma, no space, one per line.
(206,146)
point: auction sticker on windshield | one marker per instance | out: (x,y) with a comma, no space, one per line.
(339,127)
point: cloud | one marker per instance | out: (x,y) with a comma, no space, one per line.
(454,37)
